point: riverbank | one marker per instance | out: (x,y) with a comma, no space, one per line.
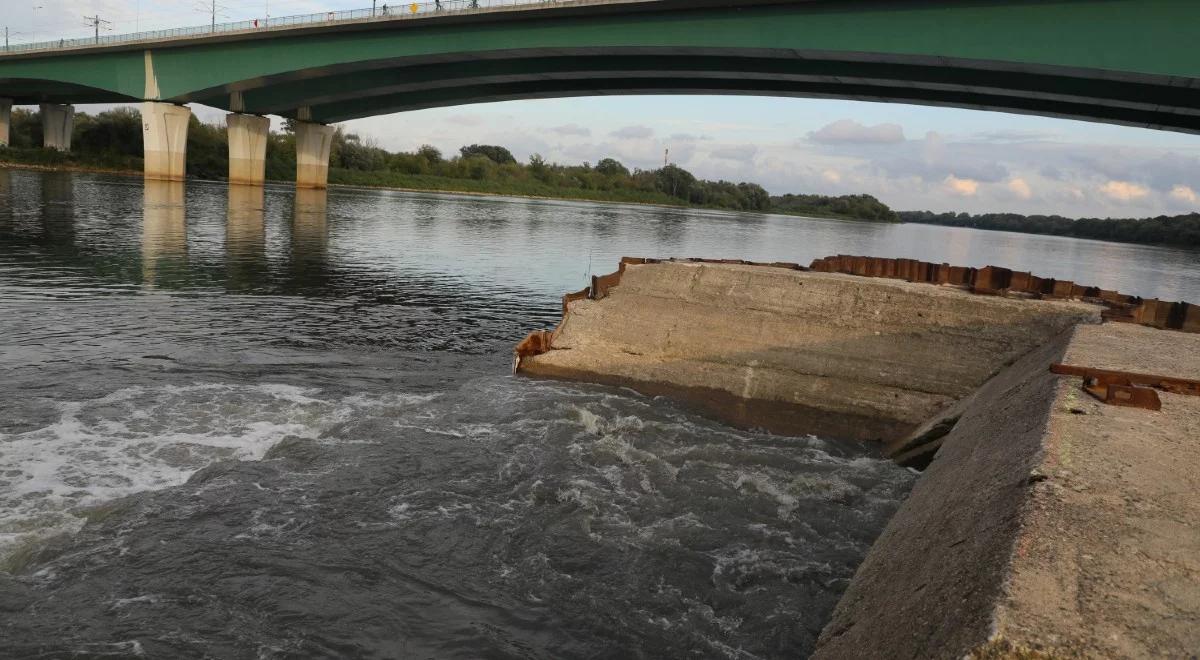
(68,167)
(1171,231)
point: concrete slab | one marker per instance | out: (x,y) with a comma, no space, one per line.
(1108,562)
(1049,525)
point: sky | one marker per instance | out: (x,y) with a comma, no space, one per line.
(911,157)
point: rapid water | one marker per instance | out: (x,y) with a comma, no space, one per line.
(237,424)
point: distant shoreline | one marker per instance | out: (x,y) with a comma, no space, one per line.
(88,169)
(10,165)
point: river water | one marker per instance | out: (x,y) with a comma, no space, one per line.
(237,423)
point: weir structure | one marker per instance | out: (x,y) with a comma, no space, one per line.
(1051,520)
(1119,61)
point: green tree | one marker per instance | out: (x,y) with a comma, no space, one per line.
(611,167)
(498,155)
(675,181)
(430,153)
(207,150)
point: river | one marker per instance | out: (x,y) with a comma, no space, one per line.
(237,423)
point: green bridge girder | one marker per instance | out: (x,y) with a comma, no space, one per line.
(1119,61)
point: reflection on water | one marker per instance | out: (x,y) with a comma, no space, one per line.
(245,237)
(164,231)
(248,422)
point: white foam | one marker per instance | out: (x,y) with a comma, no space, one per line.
(763,484)
(140,439)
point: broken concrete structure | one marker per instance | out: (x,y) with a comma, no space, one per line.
(798,352)
(1047,524)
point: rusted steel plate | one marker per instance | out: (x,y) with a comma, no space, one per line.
(536,343)
(1129,396)
(1108,378)
(995,280)
(572,297)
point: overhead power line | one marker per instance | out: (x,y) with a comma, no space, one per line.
(98,23)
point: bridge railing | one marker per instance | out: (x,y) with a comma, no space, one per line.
(382,12)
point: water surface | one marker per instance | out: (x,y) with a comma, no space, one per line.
(247,423)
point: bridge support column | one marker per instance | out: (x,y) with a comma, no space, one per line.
(312,154)
(164,140)
(58,122)
(247,148)
(5,120)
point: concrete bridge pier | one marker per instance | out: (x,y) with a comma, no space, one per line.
(164,138)
(247,148)
(313,142)
(58,122)
(5,120)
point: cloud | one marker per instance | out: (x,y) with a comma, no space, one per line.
(1124,191)
(1013,135)
(1020,188)
(466,120)
(961,187)
(1051,172)
(688,137)
(572,129)
(831,176)
(1169,170)
(848,131)
(739,152)
(633,133)
(1182,193)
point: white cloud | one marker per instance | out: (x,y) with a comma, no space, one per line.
(1020,188)
(738,152)
(1124,191)
(572,130)
(633,133)
(1182,193)
(1013,135)
(831,176)
(961,187)
(848,131)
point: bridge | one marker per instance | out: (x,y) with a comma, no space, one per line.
(1129,62)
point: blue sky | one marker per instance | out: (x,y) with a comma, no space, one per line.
(910,157)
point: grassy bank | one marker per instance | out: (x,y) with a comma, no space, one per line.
(56,161)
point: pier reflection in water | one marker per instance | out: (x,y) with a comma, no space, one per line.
(164,233)
(310,238)
(247,422)
(245,237)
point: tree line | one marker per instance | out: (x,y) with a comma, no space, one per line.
(1180,230)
